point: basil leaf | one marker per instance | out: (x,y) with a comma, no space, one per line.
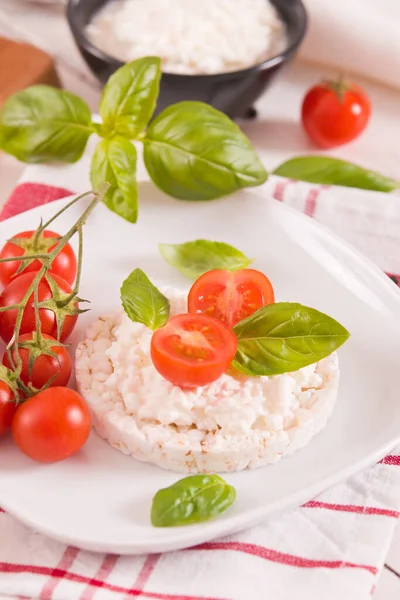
(284,337)
(143,302)
(191,500)
(192,259)
(114,161)
(332,171)
(43,124)
(194,152)
(129,97)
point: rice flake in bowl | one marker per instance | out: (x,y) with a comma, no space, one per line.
(234,423)
(190,37)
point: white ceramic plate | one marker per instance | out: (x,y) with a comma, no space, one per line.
(100,499)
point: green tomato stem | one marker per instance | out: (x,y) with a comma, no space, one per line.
(34,286)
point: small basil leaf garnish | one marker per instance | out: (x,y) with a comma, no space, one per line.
(129,97)
(283,337)
(332,171)
(114,162)
(143,302)
(44,124)
(194,152)
(192,259)
(193,499)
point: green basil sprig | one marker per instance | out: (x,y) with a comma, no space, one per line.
(43,124)
(191,150)
(332,171)
(143,302)
(194,499)
(194,152)
(192,259)
(284,337)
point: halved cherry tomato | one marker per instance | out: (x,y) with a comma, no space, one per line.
(14,293)
(25,244)
(8,407)
(229,296)
(52,425)
(192,350)
(45,366)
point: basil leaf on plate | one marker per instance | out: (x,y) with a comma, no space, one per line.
(194,152)
(332,171)
(192,259)
(114,161)
(143,302)
(129,97)
(193,499)
(44,124)
(284,337)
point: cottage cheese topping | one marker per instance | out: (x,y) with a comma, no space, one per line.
(233,423)
(210,36)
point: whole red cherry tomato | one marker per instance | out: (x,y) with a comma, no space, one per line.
(335,113)
(25,244)
(14,292)
(8,407)
(45,366)
(52,425)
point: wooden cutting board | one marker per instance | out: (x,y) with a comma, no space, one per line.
(22,65)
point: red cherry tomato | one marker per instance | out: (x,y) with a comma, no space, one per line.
(14,293)
(229,296)
(64,264)
(45,366)
(8,407)
(192,350)
(334,113)
(52,425)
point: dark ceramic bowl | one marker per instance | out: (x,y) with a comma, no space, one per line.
(233,93)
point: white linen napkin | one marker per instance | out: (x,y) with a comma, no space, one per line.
(356,36)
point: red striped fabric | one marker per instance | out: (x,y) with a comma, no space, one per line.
(361,510)
(393,460)
(65,563)
(70,576)
(282,558)
(102,574)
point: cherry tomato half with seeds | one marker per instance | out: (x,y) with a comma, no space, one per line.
(230,296)
(52,425)
(26,244)
(14,292)
(335,113)
(45,366)
(193,350)
(8,407)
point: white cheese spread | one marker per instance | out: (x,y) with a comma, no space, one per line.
(233,423)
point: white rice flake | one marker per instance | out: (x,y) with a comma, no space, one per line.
(210,36)
(234,423)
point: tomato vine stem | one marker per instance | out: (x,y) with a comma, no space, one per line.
(12,348)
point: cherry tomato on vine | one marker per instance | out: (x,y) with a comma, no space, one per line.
(45,366)
(14,292)
(52,425)
(25,244)
(335,113)
(193,350)
(8,407)
(229,296)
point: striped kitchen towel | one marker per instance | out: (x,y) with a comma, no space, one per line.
(332,547)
